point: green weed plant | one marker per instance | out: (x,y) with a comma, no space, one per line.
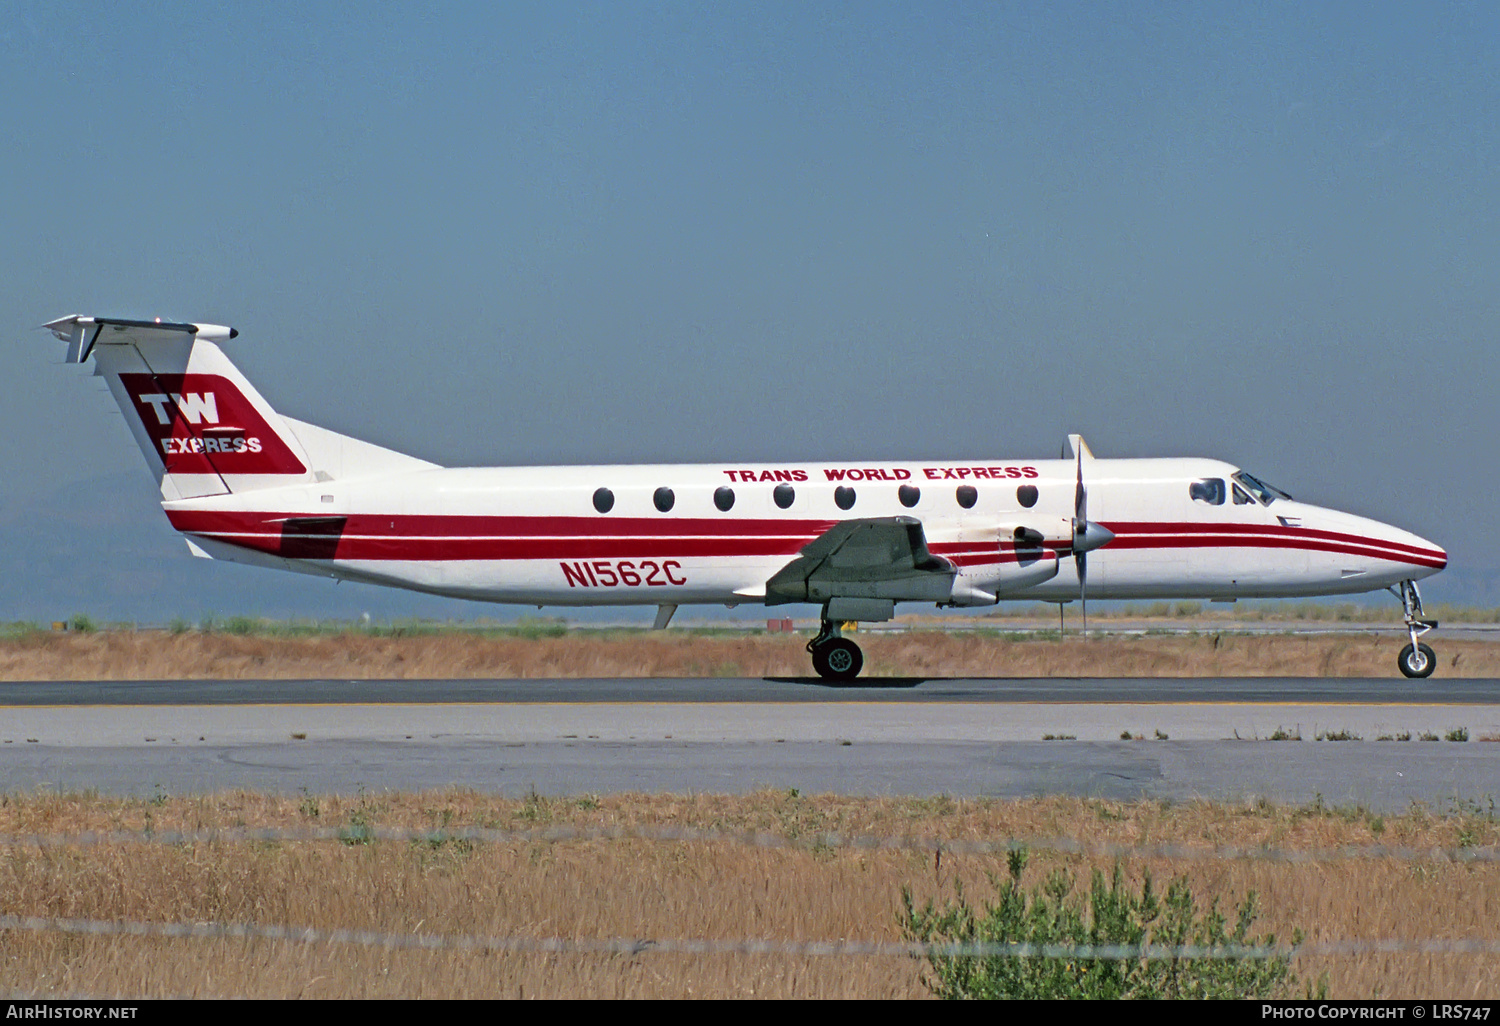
(1174,949)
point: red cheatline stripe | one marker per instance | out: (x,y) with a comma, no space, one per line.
(976,560)
(400,537)
(434,549)
(356,547)
(1329,542)
(1277,530)
(1310,544)
(404,526)
(1063,548)
(1001,554)
(991,546)
(459,526)
(1370,546)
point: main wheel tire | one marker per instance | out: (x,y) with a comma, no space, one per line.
(1417,662)
(838,659)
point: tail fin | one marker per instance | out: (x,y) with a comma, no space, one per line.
(202,426)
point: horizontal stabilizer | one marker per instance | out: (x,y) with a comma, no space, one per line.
(82,333)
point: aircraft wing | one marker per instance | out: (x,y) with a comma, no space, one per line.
(865,566)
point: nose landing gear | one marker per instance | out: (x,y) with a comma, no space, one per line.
(835,657)
(1416,659)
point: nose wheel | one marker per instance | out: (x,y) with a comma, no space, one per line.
(834,657)
(1416,659)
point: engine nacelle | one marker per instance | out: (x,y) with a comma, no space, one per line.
(1002,558)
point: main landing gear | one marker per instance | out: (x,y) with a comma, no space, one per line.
(835,657)
(1416,659)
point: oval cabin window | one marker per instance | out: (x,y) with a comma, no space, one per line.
(1209,490)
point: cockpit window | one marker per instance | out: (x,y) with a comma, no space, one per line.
(1209,490)
(1242,497)
(1267,494)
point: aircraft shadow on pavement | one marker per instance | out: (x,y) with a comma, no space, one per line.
(862,682)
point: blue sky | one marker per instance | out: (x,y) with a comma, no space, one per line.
(494,234)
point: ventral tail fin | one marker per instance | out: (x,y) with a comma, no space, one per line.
(202,426)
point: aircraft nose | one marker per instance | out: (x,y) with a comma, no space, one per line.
(1385,553)
(1415,555)
(1440,553)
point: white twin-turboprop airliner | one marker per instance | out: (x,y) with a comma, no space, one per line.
(247,484)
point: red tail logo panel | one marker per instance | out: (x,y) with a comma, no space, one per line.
(203,424)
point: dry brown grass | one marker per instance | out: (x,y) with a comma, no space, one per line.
(674,890)
(159,655)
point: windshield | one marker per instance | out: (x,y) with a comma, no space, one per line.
(1267,494)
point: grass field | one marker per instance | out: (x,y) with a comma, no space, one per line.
(798,889)
(546,652)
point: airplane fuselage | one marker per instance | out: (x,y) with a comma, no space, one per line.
(535,535)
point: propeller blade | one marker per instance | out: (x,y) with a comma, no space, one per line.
(1080,497)
(1083,589)
(1080,521)
(1080,529)
(1087,536)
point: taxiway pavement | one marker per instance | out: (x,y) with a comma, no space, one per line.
(1187,738)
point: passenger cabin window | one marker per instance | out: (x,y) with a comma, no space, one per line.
(1026,495)
(664,499)
(967,495)
(784,495)
(604,500)
(1209,490)
(724,498)
(910,495)
(843,495)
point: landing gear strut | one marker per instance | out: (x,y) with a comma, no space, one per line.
(1416,659)
(835,657)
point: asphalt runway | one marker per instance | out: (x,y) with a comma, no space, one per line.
(1378,743)
(696,690)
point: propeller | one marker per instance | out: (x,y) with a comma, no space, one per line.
(1080,536)
(1087,536)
